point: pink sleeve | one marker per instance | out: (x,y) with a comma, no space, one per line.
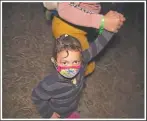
(78,17)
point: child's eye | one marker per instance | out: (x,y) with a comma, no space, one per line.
(76,62)
(64,63)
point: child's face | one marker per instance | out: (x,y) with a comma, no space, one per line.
(69,58)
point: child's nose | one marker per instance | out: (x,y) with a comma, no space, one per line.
(71,64)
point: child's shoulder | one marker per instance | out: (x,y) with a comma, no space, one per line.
(51,79)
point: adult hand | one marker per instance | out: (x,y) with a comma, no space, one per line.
(113,21)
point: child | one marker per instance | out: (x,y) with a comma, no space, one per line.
(86,15)
(57,96)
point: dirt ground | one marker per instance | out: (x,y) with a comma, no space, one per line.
(114,90)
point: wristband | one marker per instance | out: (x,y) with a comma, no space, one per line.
(101,26)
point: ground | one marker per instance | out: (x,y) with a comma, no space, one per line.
(114,90)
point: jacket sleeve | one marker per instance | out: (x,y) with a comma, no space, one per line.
(40,97)
(96,46)
(78,17)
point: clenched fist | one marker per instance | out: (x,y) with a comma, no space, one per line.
(113,21)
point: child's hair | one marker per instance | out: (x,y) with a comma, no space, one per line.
(66,42)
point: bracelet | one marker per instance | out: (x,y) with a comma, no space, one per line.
(101,26)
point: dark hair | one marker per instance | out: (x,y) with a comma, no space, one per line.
(66,42)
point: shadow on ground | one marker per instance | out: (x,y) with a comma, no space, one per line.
(114,90)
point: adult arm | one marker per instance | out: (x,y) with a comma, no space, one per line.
(77,16)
